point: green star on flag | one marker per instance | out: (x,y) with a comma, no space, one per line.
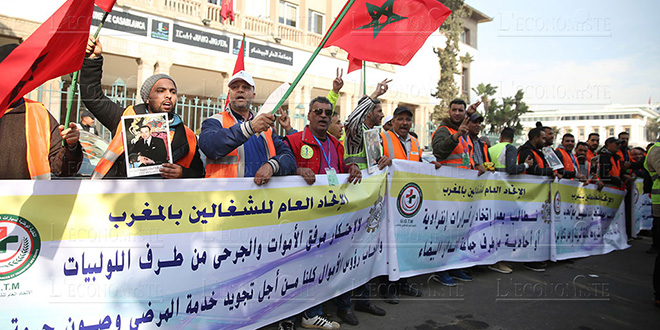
(387,31)
(377,12)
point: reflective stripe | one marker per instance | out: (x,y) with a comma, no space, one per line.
(233,164)
(229,160)
(355,159)
(454,156)
(113,151)
(37,136)
(390,147)
(655,191)
(654,177)
(454,165)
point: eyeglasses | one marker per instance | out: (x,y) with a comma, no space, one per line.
(328,112)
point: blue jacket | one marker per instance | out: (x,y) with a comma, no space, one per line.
(216,142)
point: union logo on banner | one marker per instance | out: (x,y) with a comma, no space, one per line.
(409,200)
(557,203)
(19,245)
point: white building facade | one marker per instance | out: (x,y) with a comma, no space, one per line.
(609,121)
(190,41)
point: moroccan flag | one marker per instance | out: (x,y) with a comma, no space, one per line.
(56,48)
(387,31)
(227,9)
(240,61)
(105,5)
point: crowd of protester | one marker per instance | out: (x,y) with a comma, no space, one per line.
(239,142)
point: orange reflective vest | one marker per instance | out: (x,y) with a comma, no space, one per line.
(37,136)
(537,158)
(485,150)
(455,159)
(393,148)
(590,154)
(567,160)
(116,148)
(233,164)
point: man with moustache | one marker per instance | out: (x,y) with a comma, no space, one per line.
(450,143)
(592,141)
(565,153)
(367,115)
(159,94)
(397,142)
(584,165)
(239,143)
(320,153)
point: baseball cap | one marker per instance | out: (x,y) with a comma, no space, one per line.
(612,140)
(387,119)
(86,113)
(476,117)
(242,75)
(402,109)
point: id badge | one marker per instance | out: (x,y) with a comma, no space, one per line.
(466,160)
(332,176)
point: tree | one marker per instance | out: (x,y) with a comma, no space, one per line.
(448,57)
(499,116)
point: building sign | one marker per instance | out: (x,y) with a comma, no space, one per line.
(199,38)
(236,46)
(121,21)
(160,30)
(270,54)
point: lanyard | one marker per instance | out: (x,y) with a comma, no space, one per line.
(464,144)
(329,156)
(577,167)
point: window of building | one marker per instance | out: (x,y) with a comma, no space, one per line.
(465,81)
(626,129)
(465,36)
(315,24)
(288,14)
(215,2)
(257,8)
(581,135)
(610,131)
(595,130)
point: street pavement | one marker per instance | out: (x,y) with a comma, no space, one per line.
(612,291)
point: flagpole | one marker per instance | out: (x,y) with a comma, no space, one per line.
(314,54)
(364,78)
(74,79)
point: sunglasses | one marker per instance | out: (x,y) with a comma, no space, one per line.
(328,112)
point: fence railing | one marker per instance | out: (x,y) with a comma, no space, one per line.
(192,109)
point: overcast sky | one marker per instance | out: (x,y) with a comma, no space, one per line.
(570,54)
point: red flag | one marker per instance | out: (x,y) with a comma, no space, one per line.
(387,31)
(353,64)
(240,61)
(56,48)
(106,5)
(227,9)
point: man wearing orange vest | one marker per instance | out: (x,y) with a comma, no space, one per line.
(592,141)
(319,153)
(609,164)
(581,149)
(450,143)
(479,151)
(565,153)
(239,143)
(397,142)
(159,94)
(533,148)
(31,140)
